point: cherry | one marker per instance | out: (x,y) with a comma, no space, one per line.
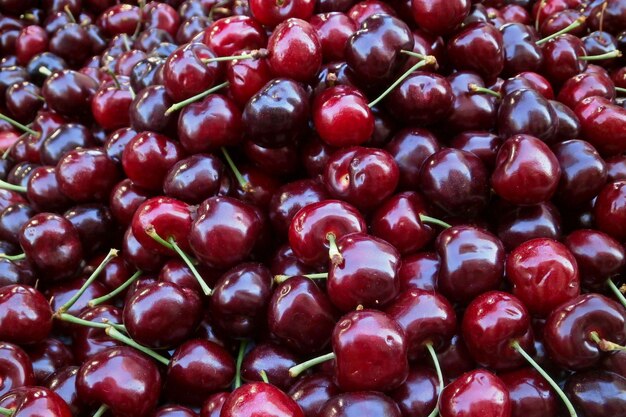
(275,358)
(23,101)
(316,227)
(231,34)
(596,392)
(530,394)
(225,231)
(32,401)
(295,50)
(354,404)
(485,145)
(148,110)
(47,357)
(188,72)
(96,382)
(294,300)
(518,224)
(212,407)
(174,410)
(418,396)
(120,18)
(584,85)
(86,175)
(602,124)
(410,147)
(312,392)
(110,106)
(277,114)
(69,92)
(478,47)
(246,77)
(470,111)
(610,209)
(525,111)
(571,330)
(583,172)
(419,271)
(17,368)
(148,323)
(364,177)
(440,17)
(374,51)
(240,298)
(63,383)
(88,341)
(26,315)
(65,138)
(367,274)
(125,199)
(475,392)
(197,368)
(333,30)
(342,117)
(521,52)
(12,219)
(259,399)
(290,198)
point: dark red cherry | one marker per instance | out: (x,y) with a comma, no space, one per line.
(198,368)
(367,274)
(478,392)
(478,47)
(610,210)
(61,294)
(174,410)
(583,172)
(544,275)
(162,315)
(314,224)
(53,245)
(148,157)
(364,177)
(484,145)
(270,13)
(440,17)
(86,175)
(373,51)
(530,394)
(362,10)
(526,172)
(185,74)
(376,336)
(410,147)
(561,58)
(194,179)
(602,124)
(293,301)
(456,182)
(598,256)
(584,85)
(470,111)
(353,404)
(258,399)
(419,271)
(212,406)
(47,357)
(526,111)
(471,262)
(33,401)
(110,106)
(147,111)
(295,50)
(518,224)
(229,35)
(275,360)
(569,330)
(26,316)
(595,393)
(87,341)
(225,231)
(207,125)
(290,198)
(125,199)
(116,142)
(16,366)
(311,392)
(69,92)
(96,382)
(333,30)
(240,299)
(63,383)
(65,138)
(12,219)
(521,53)
(22,101)
(121,18)
(94,224)
(419,395)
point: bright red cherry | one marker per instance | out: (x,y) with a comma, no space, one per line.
(258,399)
(475,393)
(295,50)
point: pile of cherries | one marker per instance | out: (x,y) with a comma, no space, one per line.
(313,208)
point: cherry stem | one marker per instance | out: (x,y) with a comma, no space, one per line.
(576,23)
(19,257)
(620,89)
(434,412)
(255,54)
(113,333)
(150,231)
(100,412)
(44,71)
(245,185)
(65,307)
(282,278)
(294,371)
(116,291)
(264,376)
(570,408)
(616,53)
(541,6)
(432,220)
(333,251)
(433,355)
(6,411)
(616,291)
(605,345)
(119,327)
(17,124)
(177,106)
(413,54)
(114,77)
(141,4)
(69,13)
(205,288)
(429,60)
(242,351)
(215,7)
(81,322)
(8,186)
(475,88)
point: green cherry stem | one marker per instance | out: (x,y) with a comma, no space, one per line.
(44,71)
(242,351)
(413,54)
(433,356)
(264,376)
(432,220)
(6,411)
(100,412)
(205,288)
(475,88)
(620,90)
(116,291)
(245,185)
(333,251)
(570,408)
(19,257)
(65,307)
(150,231)
(282,278)
(616,291)
(294,371)
(576,23)
(19,125)
(616,53)
(605,345)
(113,333)
(429,60)
(81,322)
(12,187)
(177,106)
(255,54)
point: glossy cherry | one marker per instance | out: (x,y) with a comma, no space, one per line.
(355,404)
(260,399)
(32,401)
(17,368)
(475,392)
(530,394)
(610,210)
